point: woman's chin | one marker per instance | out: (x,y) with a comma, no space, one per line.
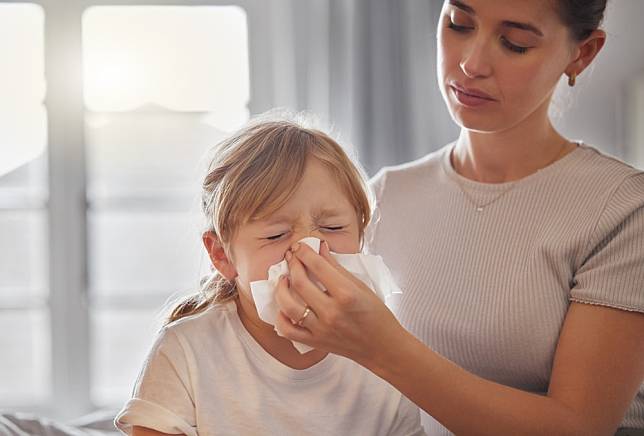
(476,125)
(478,121)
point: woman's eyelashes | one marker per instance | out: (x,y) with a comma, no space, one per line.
(457,27)
(513,47)
(505,41)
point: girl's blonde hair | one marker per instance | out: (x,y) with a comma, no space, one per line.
(253,173)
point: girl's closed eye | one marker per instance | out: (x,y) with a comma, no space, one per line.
(333,228)
(277,236)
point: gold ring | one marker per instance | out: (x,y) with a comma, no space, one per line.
(307,310)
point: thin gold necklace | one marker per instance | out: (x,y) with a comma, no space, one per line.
(481,207)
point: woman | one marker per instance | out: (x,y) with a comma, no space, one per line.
(520,253)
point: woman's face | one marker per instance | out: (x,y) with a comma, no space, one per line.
(500,60)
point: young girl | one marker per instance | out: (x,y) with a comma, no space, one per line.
(217,368)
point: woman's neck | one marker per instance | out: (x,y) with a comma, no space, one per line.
(509,155)
(264,334)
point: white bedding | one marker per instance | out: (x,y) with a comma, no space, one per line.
(22,424)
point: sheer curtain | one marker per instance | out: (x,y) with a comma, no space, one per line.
(367,69)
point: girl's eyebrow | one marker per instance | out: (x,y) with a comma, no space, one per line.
(327,213)
(317,215)
(513,24)
(274,219)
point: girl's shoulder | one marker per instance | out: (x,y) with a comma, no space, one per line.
(214,326)
(217,313)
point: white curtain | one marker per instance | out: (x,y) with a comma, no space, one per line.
(367,68)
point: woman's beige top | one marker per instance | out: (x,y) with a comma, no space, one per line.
(489,289)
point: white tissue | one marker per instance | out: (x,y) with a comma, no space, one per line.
(369,268)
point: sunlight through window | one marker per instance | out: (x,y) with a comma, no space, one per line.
(179,58)
(23,119)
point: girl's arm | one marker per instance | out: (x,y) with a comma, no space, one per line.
(598,366)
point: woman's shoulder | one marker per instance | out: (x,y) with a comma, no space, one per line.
(597,164)
(409,174)
(607,178)
(420,165)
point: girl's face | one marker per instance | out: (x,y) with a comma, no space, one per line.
(500,60)
(319,207)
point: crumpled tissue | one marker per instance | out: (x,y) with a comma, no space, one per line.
(369,268)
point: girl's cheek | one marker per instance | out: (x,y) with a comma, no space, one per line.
(272,255)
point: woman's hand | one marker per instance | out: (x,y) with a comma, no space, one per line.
(349,319)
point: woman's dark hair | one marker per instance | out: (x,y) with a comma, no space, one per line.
(581,16)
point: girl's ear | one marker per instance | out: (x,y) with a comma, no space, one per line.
(586,52)
(218,255)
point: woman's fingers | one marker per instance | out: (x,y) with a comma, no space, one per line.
(349,320)
(294,302)
(288,301)
(294,332)
(304,287)
(326,253)
(329,274)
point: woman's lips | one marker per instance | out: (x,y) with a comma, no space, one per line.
(470,97)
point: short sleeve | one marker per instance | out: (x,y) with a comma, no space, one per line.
(162,399)
(613,271)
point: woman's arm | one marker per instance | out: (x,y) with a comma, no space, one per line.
(598,366)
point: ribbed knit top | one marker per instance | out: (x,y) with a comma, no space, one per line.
(490,289)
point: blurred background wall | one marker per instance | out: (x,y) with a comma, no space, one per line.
(107,112)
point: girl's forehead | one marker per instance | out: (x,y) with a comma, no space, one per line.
(318,213)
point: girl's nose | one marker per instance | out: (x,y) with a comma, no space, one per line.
(299,235)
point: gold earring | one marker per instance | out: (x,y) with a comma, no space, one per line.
(572,79)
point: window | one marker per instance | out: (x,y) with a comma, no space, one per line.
(158,94)
(82,279)
(24,312)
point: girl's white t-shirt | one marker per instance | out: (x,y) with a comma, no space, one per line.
(206,375)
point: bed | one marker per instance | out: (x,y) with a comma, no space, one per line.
(23,424)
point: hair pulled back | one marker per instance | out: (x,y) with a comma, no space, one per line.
(582,17)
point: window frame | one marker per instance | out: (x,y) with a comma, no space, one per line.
(67,205)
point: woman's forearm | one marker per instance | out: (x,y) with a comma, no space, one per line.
(465,403)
